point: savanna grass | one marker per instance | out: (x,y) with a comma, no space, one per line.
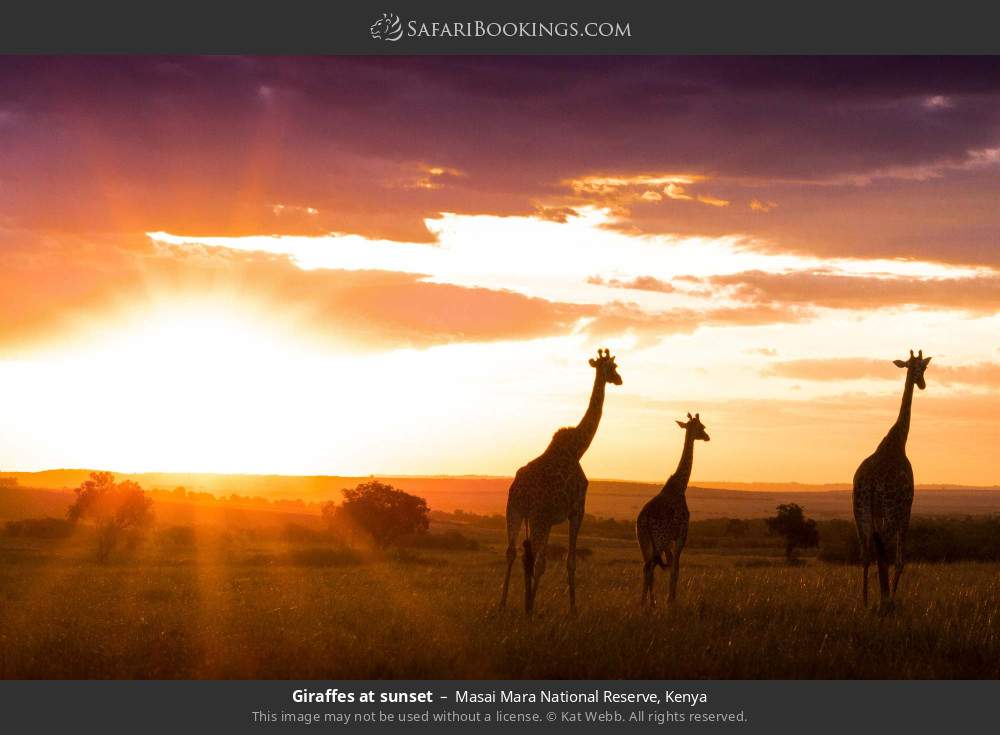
(333,614)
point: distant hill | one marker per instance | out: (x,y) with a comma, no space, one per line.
(488,495)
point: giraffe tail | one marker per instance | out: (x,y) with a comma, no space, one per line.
(663,558)
(529,556)
(879,545)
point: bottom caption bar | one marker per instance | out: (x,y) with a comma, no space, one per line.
(356,706)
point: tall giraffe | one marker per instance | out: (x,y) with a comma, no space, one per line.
(553,488)
(662,525)
(883,491)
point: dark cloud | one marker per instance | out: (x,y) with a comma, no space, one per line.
(858,155)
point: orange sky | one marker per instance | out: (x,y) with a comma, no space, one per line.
(354,266)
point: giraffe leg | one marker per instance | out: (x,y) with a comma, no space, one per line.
(538,541)
(675,570)
(883,574)
(513,527)
(574,530)
(647,582)
(866,560)
(642,535)
(900,537)
(529,574)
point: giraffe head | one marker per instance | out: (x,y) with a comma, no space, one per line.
(915,367)
(694,427)
(606,368)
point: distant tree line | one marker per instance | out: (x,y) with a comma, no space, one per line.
(930,539)
(120,513)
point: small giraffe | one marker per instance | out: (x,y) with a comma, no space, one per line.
(662,525)
(553,488)
(883,491)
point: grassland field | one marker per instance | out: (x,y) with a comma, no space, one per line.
(234,606)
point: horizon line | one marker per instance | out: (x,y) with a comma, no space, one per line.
(703,484)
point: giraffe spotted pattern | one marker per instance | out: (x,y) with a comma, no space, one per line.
(662,526)
(883,492)
(552,488)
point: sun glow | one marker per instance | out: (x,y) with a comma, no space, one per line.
(555,260)
(252,373)
(188,382)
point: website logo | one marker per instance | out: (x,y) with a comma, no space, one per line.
(387,28)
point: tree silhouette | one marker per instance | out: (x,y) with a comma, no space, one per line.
(114,507)
(383,512)
(797,530)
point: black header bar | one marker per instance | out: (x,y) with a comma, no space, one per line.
(512,27)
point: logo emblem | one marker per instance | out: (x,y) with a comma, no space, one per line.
(387,28)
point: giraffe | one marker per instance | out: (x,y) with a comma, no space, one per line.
(553,488)
(662,525)
(883,491)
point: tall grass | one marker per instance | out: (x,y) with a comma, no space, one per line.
(207,613)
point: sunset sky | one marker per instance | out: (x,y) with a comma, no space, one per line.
(402,265)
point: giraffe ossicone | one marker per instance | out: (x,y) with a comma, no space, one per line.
(552,488)
(662,526)
(883,492)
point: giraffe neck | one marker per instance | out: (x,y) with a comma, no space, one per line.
(587,427)
(679,480)
(901,429)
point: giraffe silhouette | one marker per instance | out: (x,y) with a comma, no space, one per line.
(662,525)
(552,488)
(883,491)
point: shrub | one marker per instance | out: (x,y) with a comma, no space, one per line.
(296,533)
(791,524)
(386,514)
(839,542)
(48,528)
(447,541)
(929,539)
(118,510)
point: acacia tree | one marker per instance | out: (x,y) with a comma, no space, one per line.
(115,508)
(797,530)
(383,512)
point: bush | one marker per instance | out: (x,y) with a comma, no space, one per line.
(48,528)
(791,524)
(296,533)
(119,510)
(447,541)
(386,514)
(839,542)
(929,539)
